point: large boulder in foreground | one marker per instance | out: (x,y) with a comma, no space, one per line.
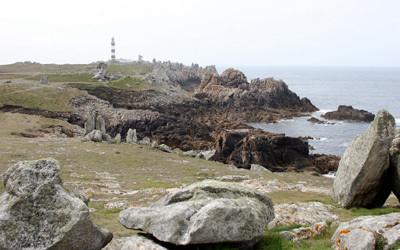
(349,113)
(361,179)
(37,213)
(205,212)
(365,232)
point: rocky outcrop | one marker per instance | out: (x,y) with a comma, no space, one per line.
(95,122)
(361,179)
(260,100)
(187,77)
(276,153)
(348,113)
(373,230)
(273,153)
(205,212)
(37,213)
(131,136)
(101,72)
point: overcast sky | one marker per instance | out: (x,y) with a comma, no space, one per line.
(219,32)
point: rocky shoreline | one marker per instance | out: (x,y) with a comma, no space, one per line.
(192,107)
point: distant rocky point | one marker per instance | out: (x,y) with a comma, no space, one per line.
(350,114)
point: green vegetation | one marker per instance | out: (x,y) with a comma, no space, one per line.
(129,69)
(29,68)
(38,97)
(83,77)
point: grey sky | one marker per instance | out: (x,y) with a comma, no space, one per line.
(220,32)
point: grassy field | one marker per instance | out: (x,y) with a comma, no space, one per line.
(38,96)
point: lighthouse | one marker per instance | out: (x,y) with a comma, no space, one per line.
(112,48)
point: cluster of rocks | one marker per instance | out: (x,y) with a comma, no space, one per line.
(368,233)
(95,129)
(369,171)
(38,213)
(101,73)
(350,114)
(187,77)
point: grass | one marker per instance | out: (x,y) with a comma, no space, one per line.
(11,76)
(82,77)
(29,68)
(131,69)
(38,96)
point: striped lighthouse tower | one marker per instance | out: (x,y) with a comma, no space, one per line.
(112,48)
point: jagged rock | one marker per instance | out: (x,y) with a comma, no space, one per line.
(44,80)
(90,124)
(101,72)
(305,233)
(131,136)
(165,148)
(277,153)
(100,124)
(95,136)
(117,138)
(349,113)
(209,155)
(106,137)
(259,168)
(144,141)
(154,144)
(305,214)
(37,213)
(361,180)
(383,228)
(205,212)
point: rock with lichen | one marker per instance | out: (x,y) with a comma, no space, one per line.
(36,212)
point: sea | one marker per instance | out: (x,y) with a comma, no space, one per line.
(366,88)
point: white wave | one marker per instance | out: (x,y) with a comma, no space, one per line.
(345,144)
(331,174)
(398,121)
(320,139)
(324,111)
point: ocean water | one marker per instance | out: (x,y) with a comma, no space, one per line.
(370,89)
